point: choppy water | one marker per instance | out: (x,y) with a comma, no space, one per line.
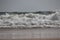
(29,20)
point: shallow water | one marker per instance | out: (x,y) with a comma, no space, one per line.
(29,33)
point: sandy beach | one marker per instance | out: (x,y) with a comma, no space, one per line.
(34,33)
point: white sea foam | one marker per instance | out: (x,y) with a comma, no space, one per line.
(29,20)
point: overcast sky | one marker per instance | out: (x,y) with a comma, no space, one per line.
(29,5)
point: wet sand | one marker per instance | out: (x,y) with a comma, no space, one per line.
(33,34)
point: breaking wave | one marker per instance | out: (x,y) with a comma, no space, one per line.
(29,20)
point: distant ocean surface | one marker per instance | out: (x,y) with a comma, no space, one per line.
(38,12)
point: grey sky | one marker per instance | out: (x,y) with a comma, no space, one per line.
(29,5)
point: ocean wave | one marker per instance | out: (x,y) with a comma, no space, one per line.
(29,20)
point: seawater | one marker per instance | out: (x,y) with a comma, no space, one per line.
(29,19)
